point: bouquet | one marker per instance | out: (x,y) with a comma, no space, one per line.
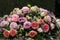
(29,23)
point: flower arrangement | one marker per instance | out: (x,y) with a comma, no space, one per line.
(32,23)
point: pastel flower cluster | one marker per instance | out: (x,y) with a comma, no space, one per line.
(29,20)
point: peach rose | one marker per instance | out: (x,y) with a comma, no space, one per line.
(32,33)
(6,33)
(13,32)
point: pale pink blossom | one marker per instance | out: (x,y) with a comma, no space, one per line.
(15,17)
(25,9)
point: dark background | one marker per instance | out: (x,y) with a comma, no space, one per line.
(57,8)
(6,6)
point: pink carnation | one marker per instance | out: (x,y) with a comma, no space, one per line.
(25,10)
(15,17)
(27,24)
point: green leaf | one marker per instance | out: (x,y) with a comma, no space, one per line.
(7,27)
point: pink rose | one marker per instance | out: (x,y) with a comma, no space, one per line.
(15,17)
(41,21)
(13,32)
(45,28)
(32,33)
(4,23)
(6,33)
(35,25)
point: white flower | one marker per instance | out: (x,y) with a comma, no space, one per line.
(47,18)
(43,14)
(57,20)
(52,25)
(29,39)
(19,12)
(34,8)
(58,23)
(39,30)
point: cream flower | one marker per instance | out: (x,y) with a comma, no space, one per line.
(39,30)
